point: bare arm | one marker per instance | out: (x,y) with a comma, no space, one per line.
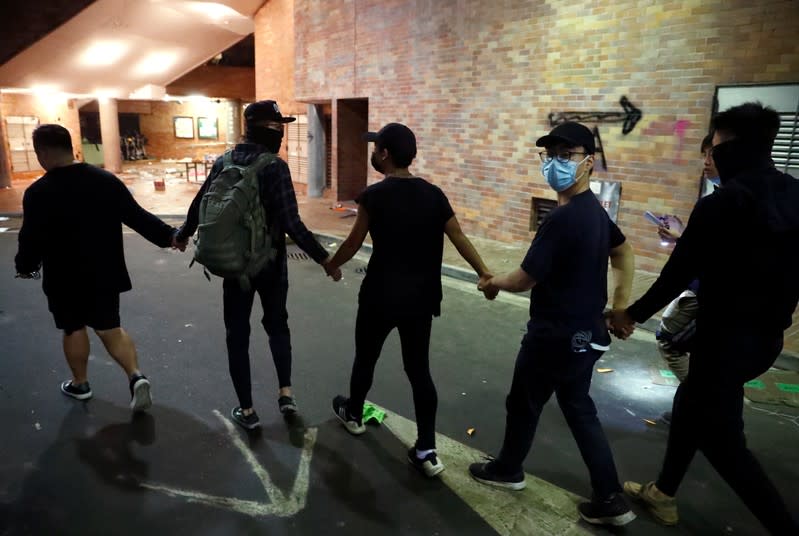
(515,281)
(622,261)
(353,242)
(464,246)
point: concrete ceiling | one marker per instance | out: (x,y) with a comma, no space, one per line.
(128,48)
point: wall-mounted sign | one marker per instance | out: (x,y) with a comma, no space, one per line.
(184,127)
(207,128)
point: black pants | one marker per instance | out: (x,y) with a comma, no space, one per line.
(272,288)
(544,367)
(707,416)
(372,326)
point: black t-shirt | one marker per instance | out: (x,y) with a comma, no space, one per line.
(406,222)
(569,261)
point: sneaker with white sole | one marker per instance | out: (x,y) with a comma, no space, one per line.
(249,421)
(486,473)
(78,392)
(429,466)
(140,396)
(613,511)
(352,424)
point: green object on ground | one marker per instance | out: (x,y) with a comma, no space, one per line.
(371,412)
(755,384)
(667,373)
(788,387)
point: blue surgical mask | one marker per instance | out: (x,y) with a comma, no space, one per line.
(561,175)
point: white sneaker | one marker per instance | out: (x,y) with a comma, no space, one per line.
(140,397)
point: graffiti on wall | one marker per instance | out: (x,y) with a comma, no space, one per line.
(629,116)
(670,128)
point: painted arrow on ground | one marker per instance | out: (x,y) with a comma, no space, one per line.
(279,503)
(541,508)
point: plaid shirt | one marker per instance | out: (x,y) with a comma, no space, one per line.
(278,198)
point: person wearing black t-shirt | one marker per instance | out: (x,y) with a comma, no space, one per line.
(72,229)
(407,218)
(566,268)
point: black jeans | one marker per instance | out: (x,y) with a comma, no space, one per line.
(372,326)
(272,288)
(708,416)
(543,367)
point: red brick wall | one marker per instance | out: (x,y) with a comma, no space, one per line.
(216,81)
(158,128)
(476,81)
(49,109)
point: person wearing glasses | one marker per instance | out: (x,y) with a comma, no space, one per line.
(566,268)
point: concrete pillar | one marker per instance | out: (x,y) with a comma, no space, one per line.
(316,151)
(109,131)
(234,119)
(5,155)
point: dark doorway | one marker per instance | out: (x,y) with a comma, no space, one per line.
(352,120)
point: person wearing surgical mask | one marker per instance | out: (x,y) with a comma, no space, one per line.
(566,270)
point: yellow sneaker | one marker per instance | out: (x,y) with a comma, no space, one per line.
(662,507)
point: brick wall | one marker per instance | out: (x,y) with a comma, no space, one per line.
(476,81)
(158,128)
(216,81)
(48,109)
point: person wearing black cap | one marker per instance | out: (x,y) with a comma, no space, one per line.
(741,244)
(407,218)
(566,268)
(264,133)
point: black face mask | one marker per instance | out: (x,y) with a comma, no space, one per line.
(376,163)
(269,138)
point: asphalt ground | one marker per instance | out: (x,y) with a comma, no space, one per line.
(69,467)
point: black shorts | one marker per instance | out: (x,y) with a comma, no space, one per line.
(72,313)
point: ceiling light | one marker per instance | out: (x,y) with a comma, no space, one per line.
(103,53)
(155,63)
(213,10)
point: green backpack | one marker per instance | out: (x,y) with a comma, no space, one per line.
(233,238)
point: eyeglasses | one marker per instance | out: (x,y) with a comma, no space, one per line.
(563,156)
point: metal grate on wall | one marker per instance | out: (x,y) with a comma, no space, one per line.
(786,147)
(540,209)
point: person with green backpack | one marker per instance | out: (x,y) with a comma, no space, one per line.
(241,214)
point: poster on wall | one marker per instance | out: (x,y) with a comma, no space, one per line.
(608,193)
(184,127)
(207,128)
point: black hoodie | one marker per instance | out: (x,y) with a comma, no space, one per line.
(742,243)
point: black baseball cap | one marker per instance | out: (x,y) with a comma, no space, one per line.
(397,139)
(572,134)
(265,110)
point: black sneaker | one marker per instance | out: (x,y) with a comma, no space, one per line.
(429,466)
(287,405)
(613,511)
(485,473)
(140,397)
(78,392)
(353,425)
(249,422)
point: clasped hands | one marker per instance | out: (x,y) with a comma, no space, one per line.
(620,323)
(485,286)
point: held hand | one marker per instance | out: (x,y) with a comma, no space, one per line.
(179,244)
(333,272)
(619,323)
(489,290)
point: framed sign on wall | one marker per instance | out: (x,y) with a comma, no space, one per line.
(207,128)
(184,127)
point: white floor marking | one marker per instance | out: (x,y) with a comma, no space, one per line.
(541,508)
(278,504)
